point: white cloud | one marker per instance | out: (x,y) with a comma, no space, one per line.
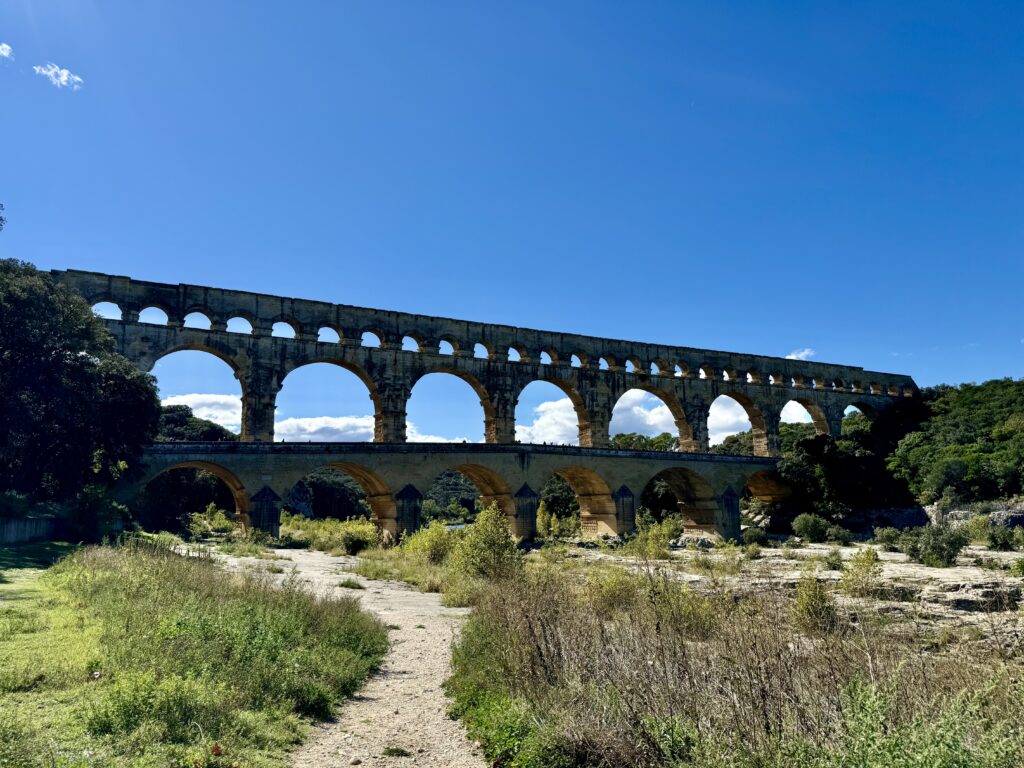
(225,410)
(554,422)
(325,429)
(806,353)
(6,52)
(794,413)
(643,413)
(726,417)
(61,78)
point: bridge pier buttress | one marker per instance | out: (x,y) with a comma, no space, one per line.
(265,511)
(389,423)
(260,386)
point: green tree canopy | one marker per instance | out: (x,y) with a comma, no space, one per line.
(178,423)
(72,412)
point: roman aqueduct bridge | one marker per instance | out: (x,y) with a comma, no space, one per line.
(390,351)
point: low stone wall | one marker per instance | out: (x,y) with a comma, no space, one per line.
(17,530)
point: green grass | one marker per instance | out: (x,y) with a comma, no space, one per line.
(351,584)
(137,656)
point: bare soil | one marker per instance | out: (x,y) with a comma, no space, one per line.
(402,708)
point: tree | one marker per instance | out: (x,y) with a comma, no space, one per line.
(633,441)
(72,411)
(178,423)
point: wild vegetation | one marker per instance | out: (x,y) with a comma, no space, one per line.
(134,655)
(639,669)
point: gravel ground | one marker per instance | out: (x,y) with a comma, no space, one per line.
(402,707)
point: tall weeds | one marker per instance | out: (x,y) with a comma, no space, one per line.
(646,672)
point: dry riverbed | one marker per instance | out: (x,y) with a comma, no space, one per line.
(399,718)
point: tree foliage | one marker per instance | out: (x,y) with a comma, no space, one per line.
(178,423)
(72,411)
(971,445)
(633,441)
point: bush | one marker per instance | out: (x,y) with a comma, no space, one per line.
(810,527)
(888,539)
(209,522)
(487,549)
(936,546)
(755,534)
(834,560)
(653,538)
(1001,538)
(435,542)
(815,608)
(860,578)
(752,552)
(839,535)
(347,537)
(977,528)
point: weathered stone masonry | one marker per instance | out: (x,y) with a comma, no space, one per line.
(593,372)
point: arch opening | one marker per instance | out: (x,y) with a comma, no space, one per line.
(239,325)
(283,330)
(650,419)
(682,493)
(551,412)
(515,354)
(800,410)
(328,335)
(198,320)
(764,501)
(736,426)
(448,407)
(168,500)
(411,344)
(481,351)
(203,380)
(108,310)
(369,339)
(327,492)
(461,491)
(376,495)
(446,348)
(153,316)
(326,401)
(576,490)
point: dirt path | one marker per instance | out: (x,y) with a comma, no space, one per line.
(403,706)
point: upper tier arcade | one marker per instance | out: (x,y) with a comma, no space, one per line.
(499,361)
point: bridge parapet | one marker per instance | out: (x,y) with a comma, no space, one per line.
(593,372)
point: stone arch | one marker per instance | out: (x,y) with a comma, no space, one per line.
(224,355)
(493,489)
(198,318)
(597,507)
(165,311)
(869,411)
(360,374)
(412,342)
(756,417)
(328,333)
(683,431)
(378,494)
(696,500)
(582,414)
(483,351)
(225,475)
(816,412)
(234,320)
(107,309)
(481,392)
(280,325)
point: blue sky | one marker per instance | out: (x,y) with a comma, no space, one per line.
(763,177)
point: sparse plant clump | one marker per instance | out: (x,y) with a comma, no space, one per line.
(937,546)
(888,539)
(210,522)
(815,608)
(341,537)
(755,534)
(487,550)
(860,577)
(1001,538)
(653,538)
(839,535)
(810,527)
(435,542)
(834,560)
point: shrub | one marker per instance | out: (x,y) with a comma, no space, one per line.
(810,527)
(977,528)
(888,539)
(208,522)
(834,560)
(860,578)
(838,534)
(936,546)
(755,534)
(752,552)
(815,608)
(435,542)
(1001,538)
(653,538)
(487,549)
(1017,567)
(348,537)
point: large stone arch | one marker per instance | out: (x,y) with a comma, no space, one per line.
(486,402)
(758,424)
(684,431)
(378,494)
(818,416)
(239,492)
(225,353)
(697,500)
(597,507)
(372,389)
(583,419)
